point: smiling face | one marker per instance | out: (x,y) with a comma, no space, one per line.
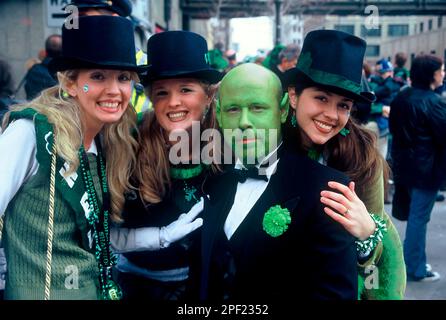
(250,97)
(320,114)
(178,102)
(103,95)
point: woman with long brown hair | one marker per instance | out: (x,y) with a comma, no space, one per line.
(170,171)
(323,90)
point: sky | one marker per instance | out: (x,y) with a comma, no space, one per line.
(250,34)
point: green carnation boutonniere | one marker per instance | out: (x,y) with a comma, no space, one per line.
(276,221)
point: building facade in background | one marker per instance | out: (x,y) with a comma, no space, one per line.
(25,24)
(410,34)
(292,30)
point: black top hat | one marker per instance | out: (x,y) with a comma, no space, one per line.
(175,54)
(331,59)
(102,42)
(121,7)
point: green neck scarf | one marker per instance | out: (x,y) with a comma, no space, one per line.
(186,173)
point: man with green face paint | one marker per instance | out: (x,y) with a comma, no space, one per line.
(265,236)
(251,112)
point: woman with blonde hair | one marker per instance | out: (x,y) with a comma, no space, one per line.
(70,152)
(169,172)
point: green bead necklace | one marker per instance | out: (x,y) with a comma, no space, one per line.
(98,220)
(313,154)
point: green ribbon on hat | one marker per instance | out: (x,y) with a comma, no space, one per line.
(325,78)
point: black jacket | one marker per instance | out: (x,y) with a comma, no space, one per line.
(418,125)
(385,89)
(38,79)
(314,259)
(137,215)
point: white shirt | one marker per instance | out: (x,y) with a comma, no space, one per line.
(247,195)
(18,161)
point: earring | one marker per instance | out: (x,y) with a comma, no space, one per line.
(206,110)
(294,120)
(65,94)
(85,88)
(344,132)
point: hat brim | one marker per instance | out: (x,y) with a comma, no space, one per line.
(295,76)
(210,75)
(67,63)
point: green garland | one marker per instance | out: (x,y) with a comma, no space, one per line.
(186,173)
(99,220)
(368,245)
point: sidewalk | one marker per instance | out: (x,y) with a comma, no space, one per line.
(436,255)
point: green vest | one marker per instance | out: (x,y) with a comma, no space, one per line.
(75,273)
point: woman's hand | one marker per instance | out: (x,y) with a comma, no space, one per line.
(347,209)
(154,238)
(186,223)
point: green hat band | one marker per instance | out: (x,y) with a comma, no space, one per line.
(326,78)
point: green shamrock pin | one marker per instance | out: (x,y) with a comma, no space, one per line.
(276,221)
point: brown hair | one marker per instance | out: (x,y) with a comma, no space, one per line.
(355,154)
(423,69)
(400,59)
(367,69)
(153,167)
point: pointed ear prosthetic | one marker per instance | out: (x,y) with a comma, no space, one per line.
(285,101)
(284,107)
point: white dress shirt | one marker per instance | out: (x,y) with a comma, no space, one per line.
(247,195)
(18,162)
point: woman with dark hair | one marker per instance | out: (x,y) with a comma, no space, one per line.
(322,93)
(418,125)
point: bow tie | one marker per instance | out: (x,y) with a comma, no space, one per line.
(252,172)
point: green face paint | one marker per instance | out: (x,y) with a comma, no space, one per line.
(250,112)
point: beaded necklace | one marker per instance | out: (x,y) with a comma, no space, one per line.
(313,154)
(98,220)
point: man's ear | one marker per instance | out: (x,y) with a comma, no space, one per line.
(284,107)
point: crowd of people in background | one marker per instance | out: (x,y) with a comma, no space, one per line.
(368,134)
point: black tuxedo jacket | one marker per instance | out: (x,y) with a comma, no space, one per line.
(314,259)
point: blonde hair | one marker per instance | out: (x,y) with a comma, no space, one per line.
(119,145)
(153,166)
